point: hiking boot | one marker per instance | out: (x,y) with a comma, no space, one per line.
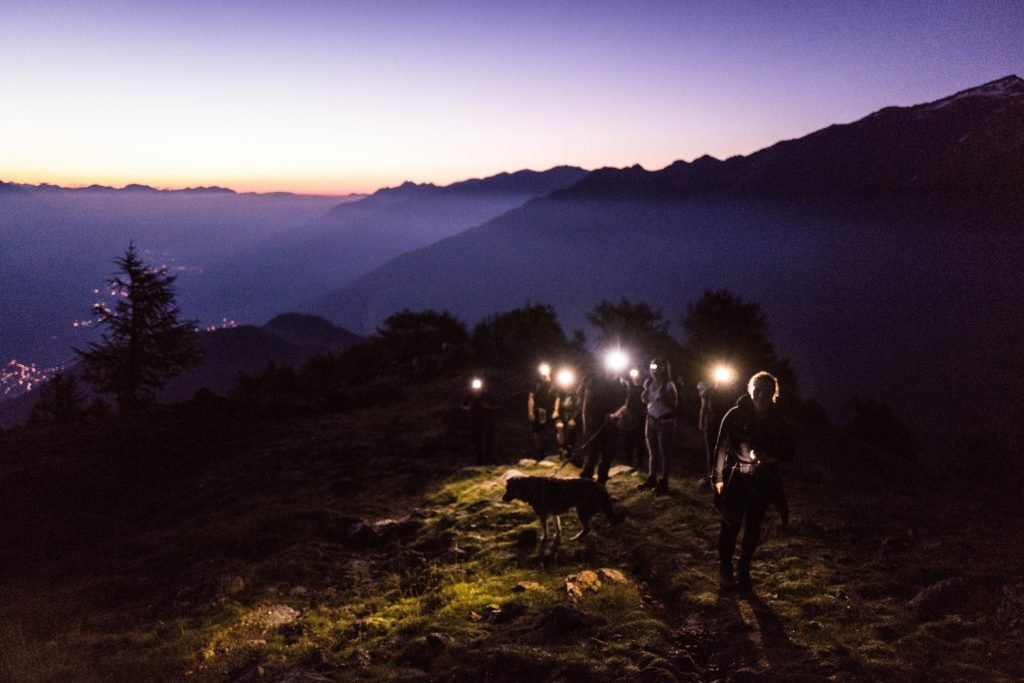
(743,581)
(727,581)
(648,483)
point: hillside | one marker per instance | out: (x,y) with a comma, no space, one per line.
(350,541)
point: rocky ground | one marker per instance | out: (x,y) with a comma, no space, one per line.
(349,540)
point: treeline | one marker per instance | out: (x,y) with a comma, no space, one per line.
(720,328)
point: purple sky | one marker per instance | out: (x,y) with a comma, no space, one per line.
(336,97)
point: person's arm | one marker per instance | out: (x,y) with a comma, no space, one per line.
(722,451)
(672,397)
(529,407)
(558,403)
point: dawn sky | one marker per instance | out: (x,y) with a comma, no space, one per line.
(336,97)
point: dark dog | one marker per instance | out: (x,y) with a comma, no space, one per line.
(551,497)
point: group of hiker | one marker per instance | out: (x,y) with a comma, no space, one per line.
(640,415)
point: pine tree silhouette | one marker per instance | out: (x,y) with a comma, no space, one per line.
(144,343)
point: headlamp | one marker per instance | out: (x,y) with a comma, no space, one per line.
(723,374)
(544,369)
(566,378)
(477,384)
(616,361)
(634,373)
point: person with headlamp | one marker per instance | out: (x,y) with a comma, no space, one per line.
(539,407)
(479,403)
(566,412)
(603,404)
(753,439)
(715,398)
(662,399)
(632,426)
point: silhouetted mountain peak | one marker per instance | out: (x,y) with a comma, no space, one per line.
(971,142)
(1003,88)
(310,331)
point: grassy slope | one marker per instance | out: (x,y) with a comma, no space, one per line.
(210,543)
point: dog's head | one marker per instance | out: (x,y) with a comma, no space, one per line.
(513,489)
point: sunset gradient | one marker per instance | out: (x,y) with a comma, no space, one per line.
(339,97)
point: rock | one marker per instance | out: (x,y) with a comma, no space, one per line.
(524,586)
(612,575)
(272,616)
(620,469)
(586,580)
(548,463)
(492,612)
(511,473)
(938,600)
(527,462)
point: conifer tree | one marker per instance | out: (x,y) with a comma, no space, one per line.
(144,343)
(59,400)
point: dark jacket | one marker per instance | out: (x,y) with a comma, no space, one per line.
(743,432)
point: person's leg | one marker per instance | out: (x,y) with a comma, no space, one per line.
(753,516)
(608,439)
(666,442)
(732,517)
(651,436)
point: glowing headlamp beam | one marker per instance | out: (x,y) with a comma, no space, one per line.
(723,374)
(566,378)
(616,361)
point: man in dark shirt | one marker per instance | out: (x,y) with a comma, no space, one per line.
(604,401)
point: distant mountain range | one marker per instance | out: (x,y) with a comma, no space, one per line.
(885,252)
(970,143)
(354,238)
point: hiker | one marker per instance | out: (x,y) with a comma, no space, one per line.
(603,404)
(662,399)
(539,406)
(753,439)
(634,443)
(479,403)
(566,413)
